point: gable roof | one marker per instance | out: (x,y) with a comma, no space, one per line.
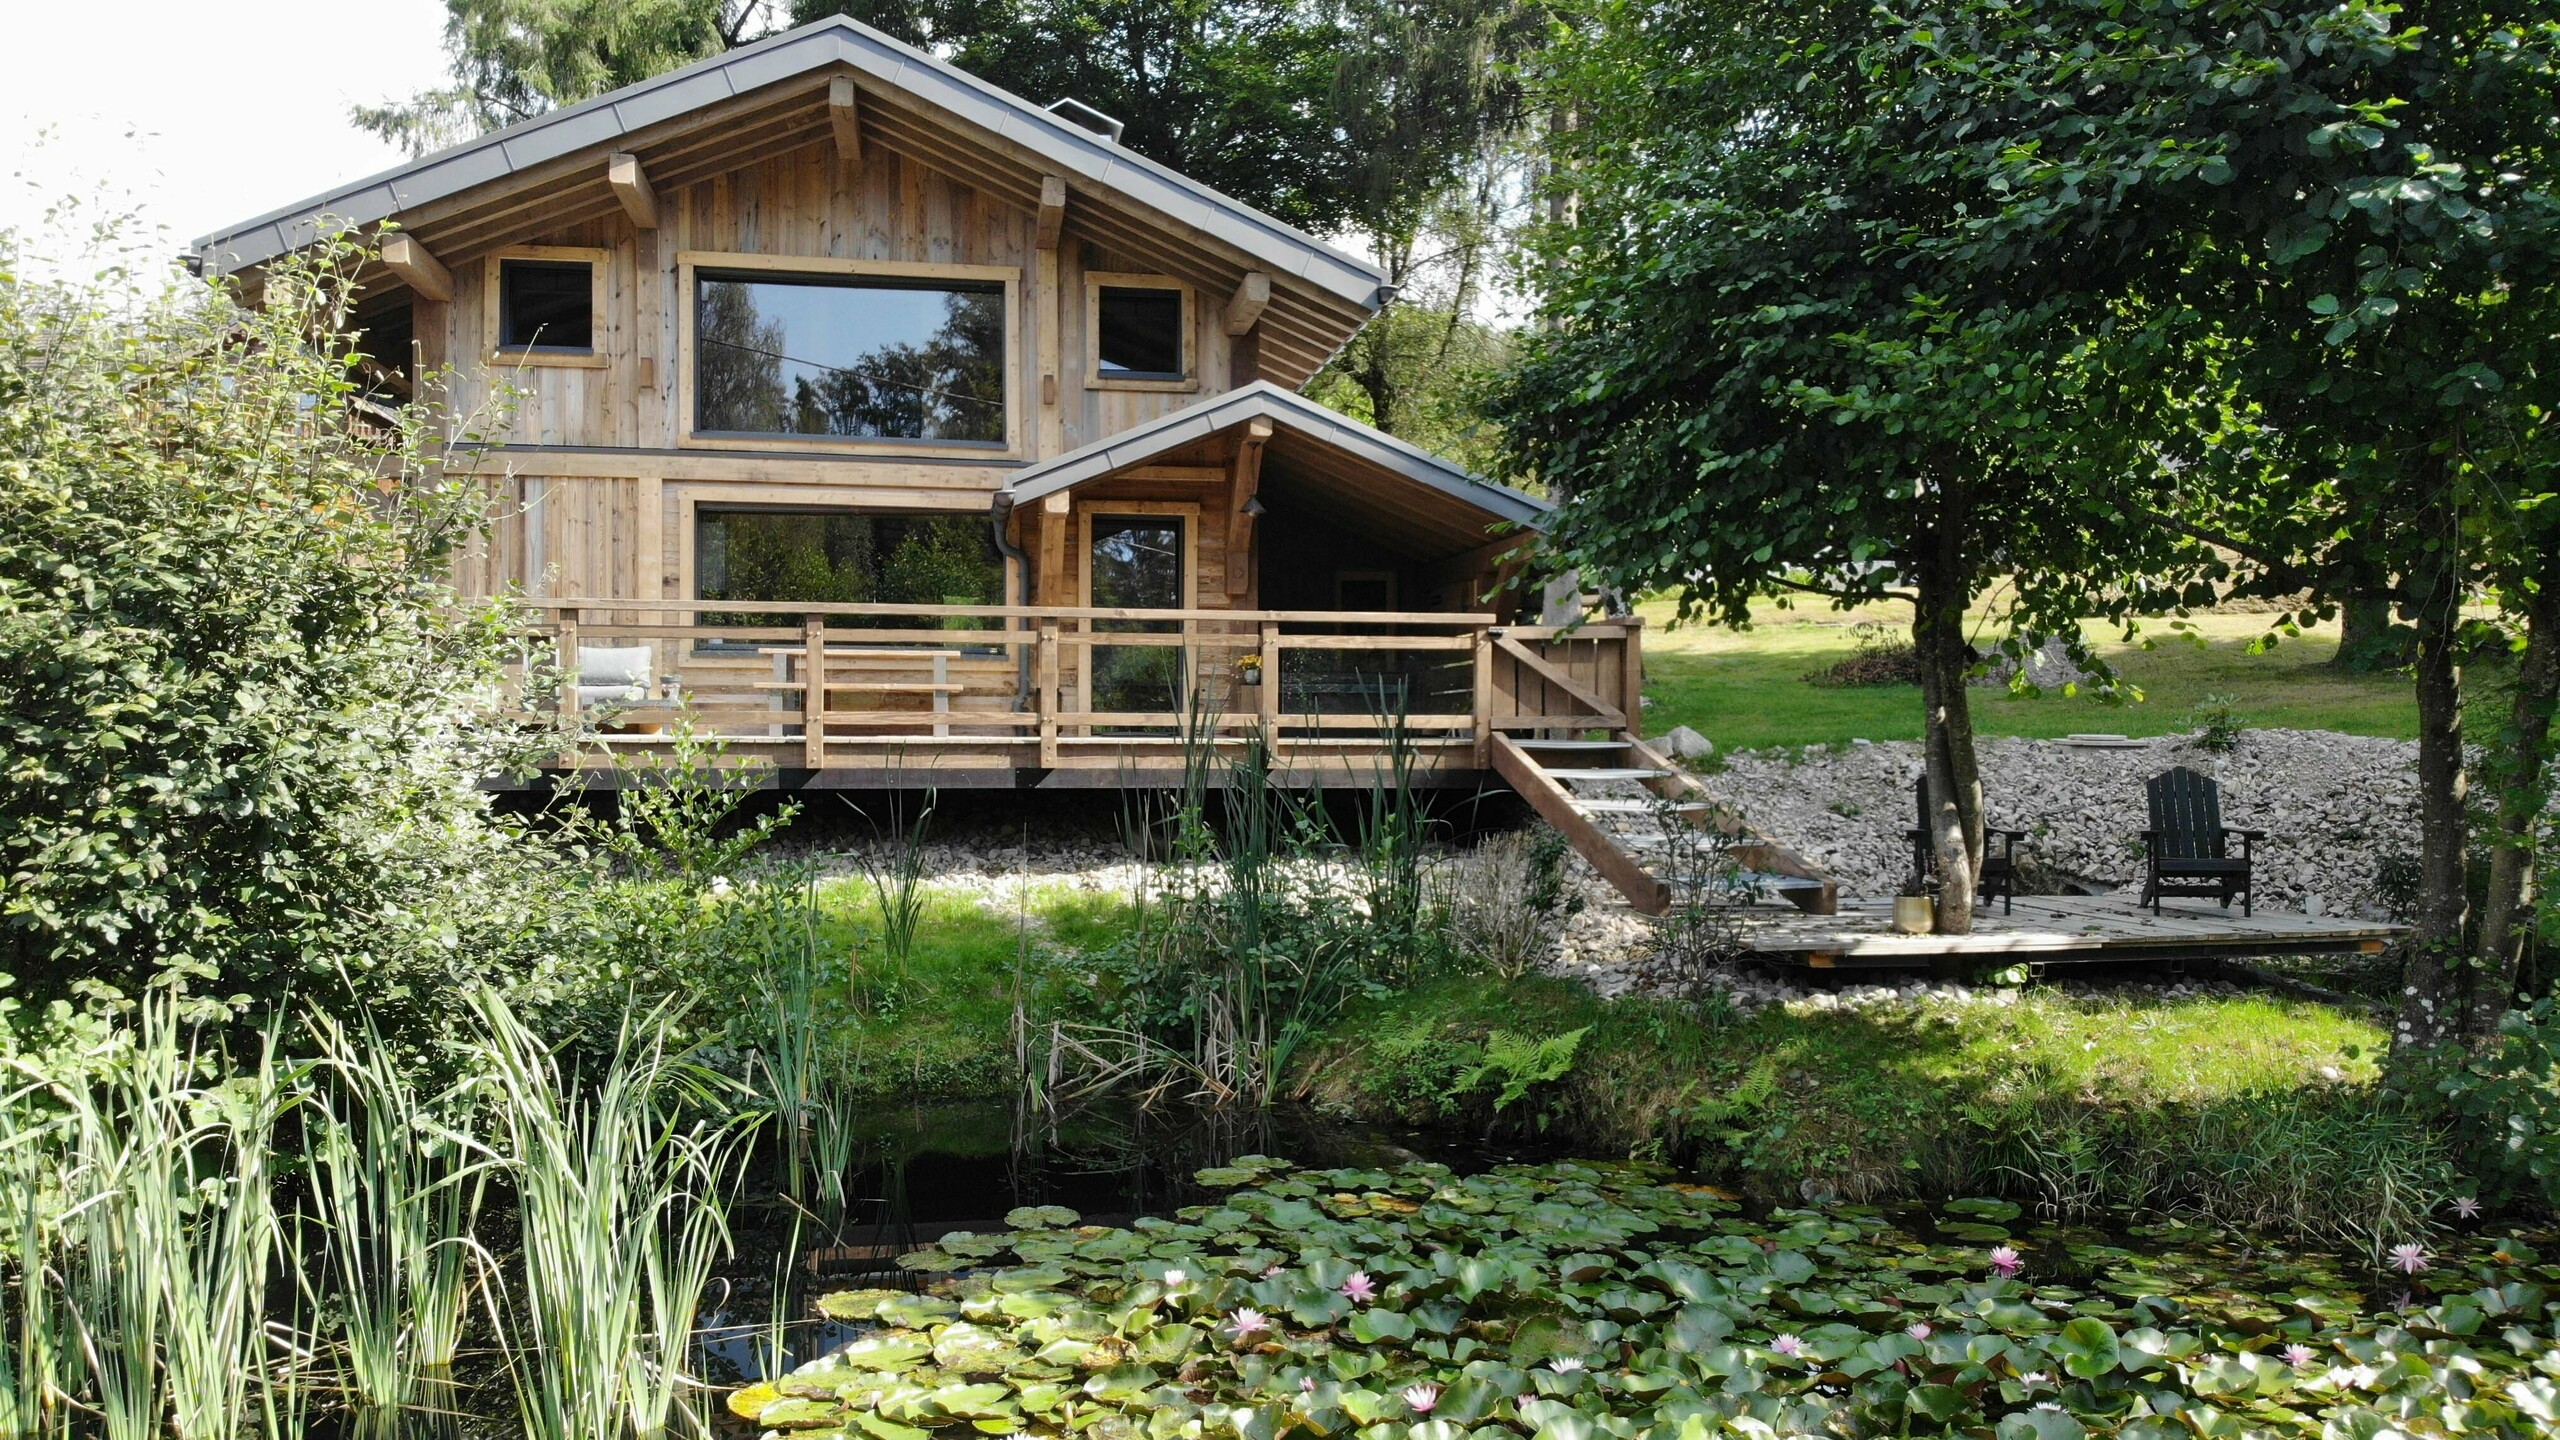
(597,124)
(1288,411)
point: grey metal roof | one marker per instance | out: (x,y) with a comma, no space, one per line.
(1264,400)
(1078,153)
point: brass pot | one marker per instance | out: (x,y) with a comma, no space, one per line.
(1914,914)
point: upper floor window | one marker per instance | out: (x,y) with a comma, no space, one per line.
(546,305)
(1139,332)
(855,355)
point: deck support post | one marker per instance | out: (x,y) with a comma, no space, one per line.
(813,692)
(1631,661)
(1048,708)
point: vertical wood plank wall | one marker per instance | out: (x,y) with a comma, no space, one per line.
(592,530)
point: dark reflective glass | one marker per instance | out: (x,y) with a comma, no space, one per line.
(839,556)
(868,358)
(1141,333)
(547,304)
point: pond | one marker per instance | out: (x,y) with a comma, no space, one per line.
(1399,1295)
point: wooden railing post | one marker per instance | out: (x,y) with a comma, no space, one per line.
(570,711)
(1267,704)
(1631,658)
(1047,681)
(1483,702)
(813,692)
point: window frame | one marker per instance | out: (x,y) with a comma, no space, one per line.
(1095,282)
(692,498)
(493,298)
(689,265)
(1187,514)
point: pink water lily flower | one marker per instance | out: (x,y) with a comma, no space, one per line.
(1360,1288)
(2466,1208)
(1422,1397)
(1306,1384)
(1173,1279)
(1788,1345)
(2006,1261)
(1918,1330)
(2410,1258)
(1249,1322)
(2297,1356)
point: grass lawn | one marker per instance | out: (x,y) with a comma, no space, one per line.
(2129,1097)
(1745,689)
(945,1026)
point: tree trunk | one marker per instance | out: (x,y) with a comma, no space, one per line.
(2506,911)
(2368,636)
(1955,783)
(2433,990)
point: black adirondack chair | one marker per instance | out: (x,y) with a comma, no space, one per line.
(2189,845)
(1999,877)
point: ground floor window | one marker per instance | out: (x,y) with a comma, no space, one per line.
(844,557)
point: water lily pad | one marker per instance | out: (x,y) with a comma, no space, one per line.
(974,1350)
(1040,1217)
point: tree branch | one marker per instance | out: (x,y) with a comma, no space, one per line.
(1902,595)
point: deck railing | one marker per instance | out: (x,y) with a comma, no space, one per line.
(833,685)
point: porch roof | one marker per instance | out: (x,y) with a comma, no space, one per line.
(1335,462)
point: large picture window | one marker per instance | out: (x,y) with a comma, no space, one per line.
(844,557)
(850,356)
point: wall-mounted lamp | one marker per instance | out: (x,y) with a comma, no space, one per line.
(1253,506)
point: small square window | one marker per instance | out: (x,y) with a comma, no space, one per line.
(546,305)
(1139,333)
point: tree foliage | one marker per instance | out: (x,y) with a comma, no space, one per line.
(1765,369)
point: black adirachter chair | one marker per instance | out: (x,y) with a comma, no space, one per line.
(1999,877)
(2190,847)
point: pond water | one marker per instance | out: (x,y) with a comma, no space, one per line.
(932,1169)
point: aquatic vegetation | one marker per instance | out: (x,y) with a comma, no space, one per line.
(1601,1302)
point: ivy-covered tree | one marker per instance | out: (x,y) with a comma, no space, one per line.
(1759,371)
(2346,219)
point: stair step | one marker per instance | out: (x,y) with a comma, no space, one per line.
(1604,776)
(1570,744)
(1635,807)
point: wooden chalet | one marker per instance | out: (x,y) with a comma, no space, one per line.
(903,431)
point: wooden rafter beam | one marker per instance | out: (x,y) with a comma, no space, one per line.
(1245,307)
(842,100)
(1053,210)
(1246,484)
(403,256)
(1472,563)
(630,185)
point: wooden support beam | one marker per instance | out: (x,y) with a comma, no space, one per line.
(1475,562)
(1053,210)
(842,99)
(1246,484)
(1245,307)
(630,185)
(403,256)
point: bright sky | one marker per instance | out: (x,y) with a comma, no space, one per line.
(195,116)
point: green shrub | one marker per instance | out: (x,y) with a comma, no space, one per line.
(2504,1101)
(238,745)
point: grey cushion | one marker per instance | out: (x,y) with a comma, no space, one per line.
(612,665)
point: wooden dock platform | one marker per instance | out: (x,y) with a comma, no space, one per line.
(2054,929)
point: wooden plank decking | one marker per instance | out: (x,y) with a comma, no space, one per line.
(2055,929)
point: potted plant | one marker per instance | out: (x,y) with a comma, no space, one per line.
(1914,912)
(1249,670)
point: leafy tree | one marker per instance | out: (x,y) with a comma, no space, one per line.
(1760,371)
(2344,218)
(238,744)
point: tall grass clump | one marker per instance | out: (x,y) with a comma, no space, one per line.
(622,1200)
(895,865)
(396,1189)
(1256,925)
(145,1237)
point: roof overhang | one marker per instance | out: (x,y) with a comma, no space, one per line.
(1338,464)
(770,97)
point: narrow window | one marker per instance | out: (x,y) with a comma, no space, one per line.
(856,357)
(546,305)
(1139,333)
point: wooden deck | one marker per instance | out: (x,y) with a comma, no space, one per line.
(2054,929)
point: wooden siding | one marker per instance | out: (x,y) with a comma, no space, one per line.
(594,493)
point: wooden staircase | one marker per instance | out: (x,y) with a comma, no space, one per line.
(1612,799)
